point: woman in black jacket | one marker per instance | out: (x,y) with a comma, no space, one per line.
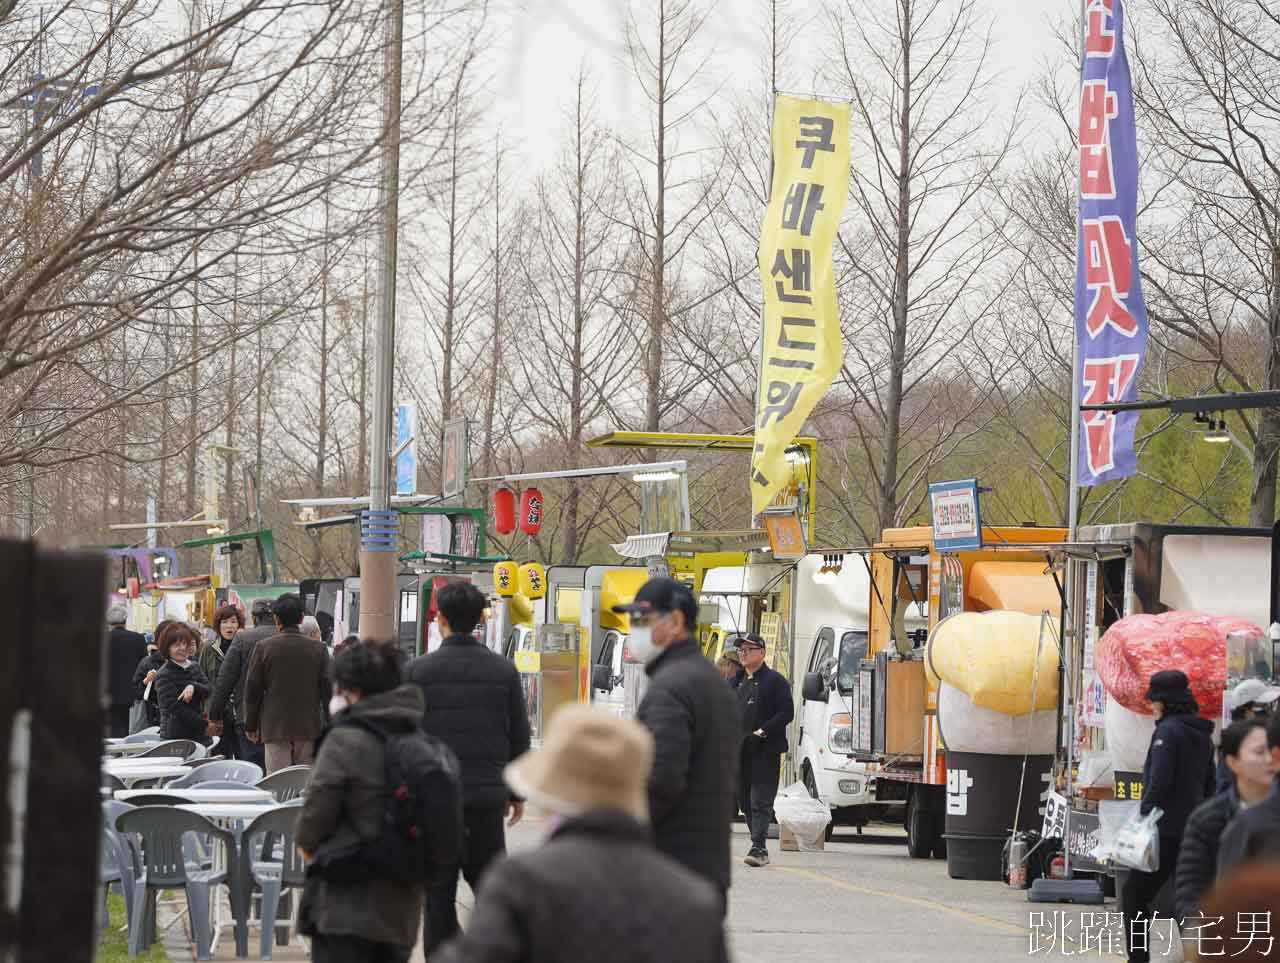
(144,675)
(1177,777)
(1247,758)
(181,687)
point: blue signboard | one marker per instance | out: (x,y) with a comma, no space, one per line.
(957,525)
(407,460)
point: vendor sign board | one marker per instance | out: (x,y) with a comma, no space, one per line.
(957,525)
(802,347)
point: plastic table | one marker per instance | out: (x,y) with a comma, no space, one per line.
(196,795)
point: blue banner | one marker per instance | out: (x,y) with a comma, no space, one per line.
(406,465)
(1111,316)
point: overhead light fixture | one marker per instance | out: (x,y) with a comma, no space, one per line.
(655,476)
(1217,433)
(830,570)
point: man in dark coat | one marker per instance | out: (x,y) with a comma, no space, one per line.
(764,703)
(1243,746)
(1178,775)
(286,693)
(597,889)
(693,717)
(226,705)
(475,705)
(1255,833)
(125,650)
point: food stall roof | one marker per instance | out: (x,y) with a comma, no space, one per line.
(1016,586)
(636,469)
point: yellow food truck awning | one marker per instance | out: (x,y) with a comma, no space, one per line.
(1015,586)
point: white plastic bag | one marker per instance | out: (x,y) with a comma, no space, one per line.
(805,817)
(1128,838)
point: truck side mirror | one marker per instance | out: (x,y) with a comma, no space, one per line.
(814,688)
(602,678)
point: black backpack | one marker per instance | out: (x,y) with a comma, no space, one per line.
(421,814)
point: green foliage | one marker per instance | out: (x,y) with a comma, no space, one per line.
(113,947)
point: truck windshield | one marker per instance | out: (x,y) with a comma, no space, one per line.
(853,649)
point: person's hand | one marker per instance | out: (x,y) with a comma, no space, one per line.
(188,693)
(304,854)
(214,729)
(515,812)
(759,733)
(252,736)
(150,677)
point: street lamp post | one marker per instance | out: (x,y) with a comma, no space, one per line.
(380,523)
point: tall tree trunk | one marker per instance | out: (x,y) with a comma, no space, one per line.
(193,403)
(495,354)
(362,414)
(571,543)
(229,479)
(446,388)
(322,430)
(657,307)
(1262,503)
(888,501)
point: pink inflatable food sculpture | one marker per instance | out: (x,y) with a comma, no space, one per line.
(1139,645)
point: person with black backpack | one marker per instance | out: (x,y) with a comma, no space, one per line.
(382,814)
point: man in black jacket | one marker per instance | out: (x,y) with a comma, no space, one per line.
(475,705)
(125,650)
(764,702)
(1255,833)
(693,717)
(228,688)
(1244,752)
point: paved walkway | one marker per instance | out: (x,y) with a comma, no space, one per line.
(862,894)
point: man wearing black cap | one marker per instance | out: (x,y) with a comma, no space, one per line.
(693,717)
(1177,776)
(764,703)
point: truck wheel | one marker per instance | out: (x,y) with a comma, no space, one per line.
(922,831)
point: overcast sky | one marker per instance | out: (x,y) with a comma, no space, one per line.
(542,42)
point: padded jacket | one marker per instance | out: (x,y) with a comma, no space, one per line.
(693,717)
(344,804)
(1198,858)
(1254,834)
(473,702)
(178,719)
(596,890)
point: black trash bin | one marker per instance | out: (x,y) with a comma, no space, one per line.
(982,797)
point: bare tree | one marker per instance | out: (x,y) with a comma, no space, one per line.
(913,292)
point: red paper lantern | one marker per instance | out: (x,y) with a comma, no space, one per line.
(530,511)
(504,511)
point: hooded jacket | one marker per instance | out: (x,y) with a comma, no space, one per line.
(693,717)
(179,719)
(344,805)
(1179,773)
(597,890)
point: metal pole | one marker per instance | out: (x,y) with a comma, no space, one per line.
(379,525)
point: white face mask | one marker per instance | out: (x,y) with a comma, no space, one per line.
(640,644)
(337,704)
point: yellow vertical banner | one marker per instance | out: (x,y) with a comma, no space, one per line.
(801,328)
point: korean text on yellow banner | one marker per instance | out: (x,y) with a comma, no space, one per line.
(802,347)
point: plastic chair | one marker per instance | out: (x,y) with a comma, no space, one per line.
(164,866)
(172,749)
(193,763)
(226,770)
(146,735)
(286,784)
(119,865)
(270,875)
(159,798)
(112,782)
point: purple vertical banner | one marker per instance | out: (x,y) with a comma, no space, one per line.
(1111,316)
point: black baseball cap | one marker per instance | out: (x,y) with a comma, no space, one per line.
(662,595)
(748,639)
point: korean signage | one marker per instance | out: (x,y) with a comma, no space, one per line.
(786,534)
(1128,785)
(406,465)
(954,507)
(801,330)
(1111,316)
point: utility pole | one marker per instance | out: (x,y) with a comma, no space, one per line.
(379,525)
